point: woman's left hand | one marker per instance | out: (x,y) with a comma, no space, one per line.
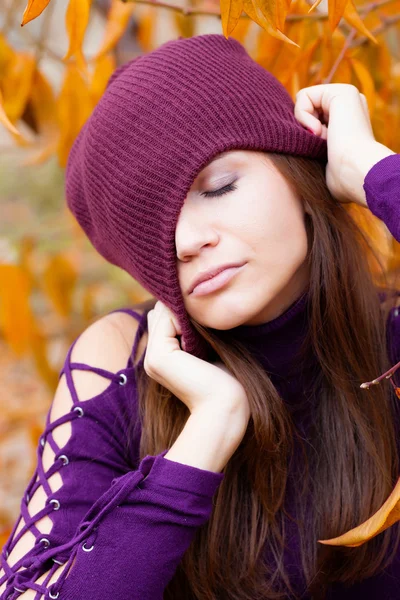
(339,113)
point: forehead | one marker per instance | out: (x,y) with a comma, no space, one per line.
(229,157)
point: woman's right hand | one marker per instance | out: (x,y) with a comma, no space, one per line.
(197,383)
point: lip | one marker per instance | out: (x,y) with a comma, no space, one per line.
(215,279)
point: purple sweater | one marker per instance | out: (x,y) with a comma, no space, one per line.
(127,523)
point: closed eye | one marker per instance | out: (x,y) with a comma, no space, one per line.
(224,190)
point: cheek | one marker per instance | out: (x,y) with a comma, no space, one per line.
(280,236)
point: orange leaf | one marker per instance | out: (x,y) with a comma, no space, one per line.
(255,14)
(387,515)
(367,83)
(76,21)
(145,28)
(336,9)
(230,15)
(16,84)
(33,9)
(104,68)
(117,21)
(16,318)
(5,120)
(74,107)
(351,16)
(43,106)
(59,278)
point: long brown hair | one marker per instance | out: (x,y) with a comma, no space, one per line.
(351,461)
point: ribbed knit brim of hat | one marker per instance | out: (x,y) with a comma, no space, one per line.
(162,118)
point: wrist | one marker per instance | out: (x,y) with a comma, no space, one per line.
(357,171)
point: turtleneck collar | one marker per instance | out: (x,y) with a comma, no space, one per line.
(277,343)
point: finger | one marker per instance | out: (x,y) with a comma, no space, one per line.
(165,321)
(310,106)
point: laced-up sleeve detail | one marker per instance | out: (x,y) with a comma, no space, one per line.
(80,452)
(130,541)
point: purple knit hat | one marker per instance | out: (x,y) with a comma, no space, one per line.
(162,118)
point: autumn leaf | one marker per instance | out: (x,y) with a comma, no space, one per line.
(16,317)
(76,21)
(230,15)
(366,83)
(387,515)
(118,18)
(104,67)
(59,279)
(43,106)
(351,16)
(16,84)
(73,108)
(33,9)
(5,120)
(251,9)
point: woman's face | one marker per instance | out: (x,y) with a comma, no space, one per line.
(261,223)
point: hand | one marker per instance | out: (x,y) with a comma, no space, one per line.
(197,383)
(339,113)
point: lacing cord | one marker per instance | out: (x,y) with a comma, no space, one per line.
(120,488)
(35,559)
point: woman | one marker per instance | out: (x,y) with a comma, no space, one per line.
(213,466)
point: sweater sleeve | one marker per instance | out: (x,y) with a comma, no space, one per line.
(382,190)
(69,477)
(136,525)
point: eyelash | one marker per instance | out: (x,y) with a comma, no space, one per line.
(224,190)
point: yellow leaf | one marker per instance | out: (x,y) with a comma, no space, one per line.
(59,278)
(117,21)
(351,16)
(74,107)
(39,352)
(16,318)
(387,515)
(256,15)
(145,28)
(230,15)
(367,83)
(76,22)
(336,9)
(16,84)
(33,9)
(5,120)
(6,54)
(43,106)
(241,30)
(268,9)
(104,68)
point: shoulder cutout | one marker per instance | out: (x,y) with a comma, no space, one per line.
(106,344)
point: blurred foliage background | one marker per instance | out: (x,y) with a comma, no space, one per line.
(53,71)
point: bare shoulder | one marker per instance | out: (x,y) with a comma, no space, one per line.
(107,343)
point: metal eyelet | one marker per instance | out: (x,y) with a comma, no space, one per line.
(7,554)
(64,459)
(87,549)
(396,312)
(122,379)
(56,503)
(27,498)
(45,541)
(55,596)
(18,590)
(79,410)
(57,561)
(42,441)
